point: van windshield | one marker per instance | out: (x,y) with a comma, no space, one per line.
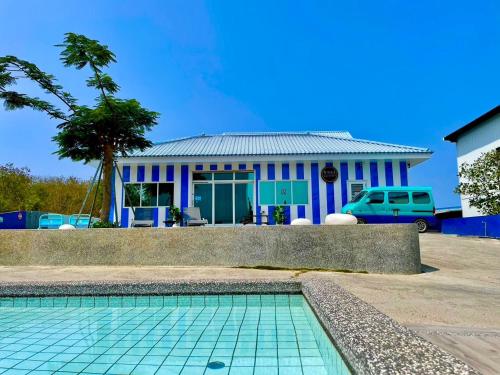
(358,196)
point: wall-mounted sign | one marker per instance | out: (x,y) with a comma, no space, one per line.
(329,174)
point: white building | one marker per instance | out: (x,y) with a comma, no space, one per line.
(477,137)
(241,177)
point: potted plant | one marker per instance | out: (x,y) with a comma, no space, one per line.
(279,215)
(175,214)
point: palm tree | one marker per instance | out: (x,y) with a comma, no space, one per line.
(111,127)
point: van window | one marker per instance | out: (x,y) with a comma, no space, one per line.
(420,197)
(398,197)
(376,197)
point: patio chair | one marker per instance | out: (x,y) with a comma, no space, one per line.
(192,217)
(143,218)
(50,221)
(83,221)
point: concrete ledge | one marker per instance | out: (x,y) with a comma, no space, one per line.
(369,248)
(169,287)
(371,342)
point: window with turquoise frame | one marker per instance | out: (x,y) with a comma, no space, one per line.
(300,192)
(283,193)
(267,192)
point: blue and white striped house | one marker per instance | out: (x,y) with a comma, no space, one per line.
(237,177)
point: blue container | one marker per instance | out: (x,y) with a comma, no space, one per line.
(482,226)
(20,219)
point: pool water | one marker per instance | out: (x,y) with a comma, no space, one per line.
(216,334)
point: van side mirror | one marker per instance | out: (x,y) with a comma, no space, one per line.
(368,201)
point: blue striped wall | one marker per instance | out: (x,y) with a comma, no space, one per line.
(403,172)
(330,194)
(285,175)
(316,214)
(170,173)
(389,176)
(344,176)
(301,210)
(271,175)
(155,173)
(258,208)
(373,174)
(324,197)
(184,187)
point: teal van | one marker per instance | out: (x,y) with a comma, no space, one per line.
(394,204)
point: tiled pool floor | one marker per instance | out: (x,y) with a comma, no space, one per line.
(254,334)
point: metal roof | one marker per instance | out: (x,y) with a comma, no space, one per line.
(275,143)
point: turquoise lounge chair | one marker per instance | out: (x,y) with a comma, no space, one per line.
(83,221)
(50,221)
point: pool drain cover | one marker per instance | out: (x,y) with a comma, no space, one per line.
(215,365)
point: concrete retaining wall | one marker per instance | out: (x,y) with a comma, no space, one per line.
(370,248)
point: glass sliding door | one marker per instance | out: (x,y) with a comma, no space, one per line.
(223,203)
(203,200)
(224,198)
(243,203)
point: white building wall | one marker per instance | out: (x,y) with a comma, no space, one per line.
(471,145)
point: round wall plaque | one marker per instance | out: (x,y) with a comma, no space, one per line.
(329,174)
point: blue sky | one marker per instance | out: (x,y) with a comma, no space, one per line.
(406,72)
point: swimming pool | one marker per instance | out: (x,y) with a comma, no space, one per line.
(213,334)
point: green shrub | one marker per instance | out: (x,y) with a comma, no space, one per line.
(104,224)
(279,215)
(175,213)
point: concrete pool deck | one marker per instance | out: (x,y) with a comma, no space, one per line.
(454,304)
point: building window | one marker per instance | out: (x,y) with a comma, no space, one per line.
(165,194)
(283,192)
(300,192)
(420,198)
(355,187)
(149,195)
(398,197)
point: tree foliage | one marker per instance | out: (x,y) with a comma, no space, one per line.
(15,189)
(20,190)
(480,183)
(111,127)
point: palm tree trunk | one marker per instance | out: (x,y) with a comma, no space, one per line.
(107,171)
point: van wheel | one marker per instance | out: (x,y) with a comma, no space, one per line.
(361,221)
(422,225)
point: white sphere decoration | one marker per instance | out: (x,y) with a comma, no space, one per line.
(301,222)
(66,227)
(340,219)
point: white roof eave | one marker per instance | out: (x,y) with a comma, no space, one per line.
(413,158)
